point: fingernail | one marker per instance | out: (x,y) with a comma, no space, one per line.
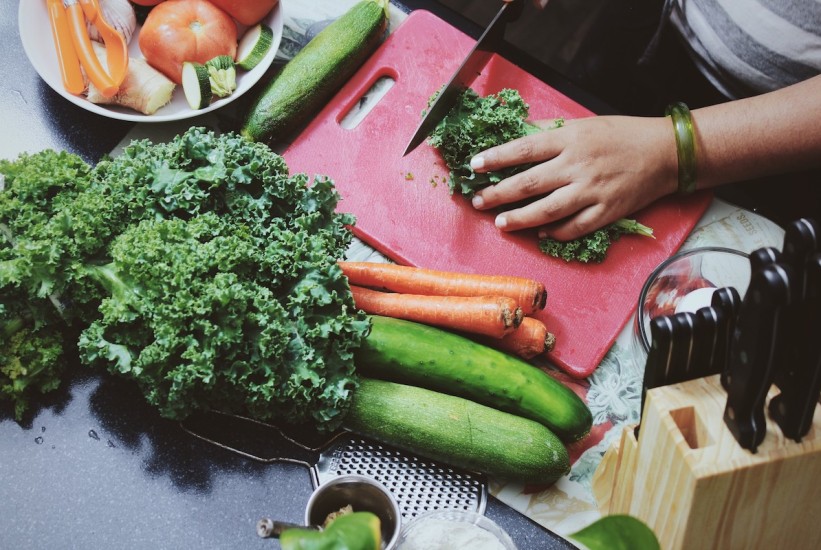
(477,201)
(477,162)
(501,222)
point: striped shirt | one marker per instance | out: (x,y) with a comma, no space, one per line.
(747,47)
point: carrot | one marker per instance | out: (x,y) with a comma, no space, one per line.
(529,294)
(488,315)
(531,338)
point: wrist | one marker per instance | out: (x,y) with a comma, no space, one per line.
(685,138)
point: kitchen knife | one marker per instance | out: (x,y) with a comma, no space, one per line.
(800,376)
(467,72)
(705,343)
(682,354)
(726,303)
(753,352)
(764,256)
(657,364)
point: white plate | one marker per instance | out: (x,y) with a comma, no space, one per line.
(35,33)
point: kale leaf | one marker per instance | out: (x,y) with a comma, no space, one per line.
(592,248)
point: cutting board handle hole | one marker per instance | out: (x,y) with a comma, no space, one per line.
(691,427)
(367,97)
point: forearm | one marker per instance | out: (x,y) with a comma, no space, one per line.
(772,133)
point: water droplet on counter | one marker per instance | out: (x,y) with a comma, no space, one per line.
(110,444)
(93,435)
(42,429)
(38,440)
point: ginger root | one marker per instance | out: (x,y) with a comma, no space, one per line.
(145,89)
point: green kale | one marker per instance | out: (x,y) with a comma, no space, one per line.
(477,123)
(34,324)
(592,248)
(198,268)
(204,314)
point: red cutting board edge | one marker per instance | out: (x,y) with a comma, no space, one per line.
(403,207)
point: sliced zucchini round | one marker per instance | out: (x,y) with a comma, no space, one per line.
(196,84)
(253,46)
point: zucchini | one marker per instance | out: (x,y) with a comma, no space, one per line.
(308,81)
(223,75)
(457,431)
(196,84)
(421,355)
(253,46)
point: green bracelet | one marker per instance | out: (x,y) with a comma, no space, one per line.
(685,146)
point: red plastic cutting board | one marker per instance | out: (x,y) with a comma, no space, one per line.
(404,210)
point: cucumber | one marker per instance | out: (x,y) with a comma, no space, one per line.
(253,46)
(421,355)
(457,431)
(308,81)
(196,84)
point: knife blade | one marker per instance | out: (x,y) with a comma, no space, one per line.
(726,303)
(467,72)
(753,352)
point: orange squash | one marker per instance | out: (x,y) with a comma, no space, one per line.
(176,31)
(247,12)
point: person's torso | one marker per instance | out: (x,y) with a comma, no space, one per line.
(746,47)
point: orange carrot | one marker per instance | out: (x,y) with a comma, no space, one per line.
(530,339)
(529,294)
(488,315)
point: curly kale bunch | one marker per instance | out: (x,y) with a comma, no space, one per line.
(198,268)
(35,326)
(477,123)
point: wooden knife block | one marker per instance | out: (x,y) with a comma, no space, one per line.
(688,479)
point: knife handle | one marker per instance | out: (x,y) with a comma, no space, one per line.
(764,256)
(705,343)
(802,238)
(726,303)
(682,354)
(658,358)
(753,352)
(794,407)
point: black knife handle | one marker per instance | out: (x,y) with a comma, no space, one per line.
(753,352)
(681,356)
(764,256)
(658,358)
(794,407)
(802,238)
(705,343)
(726,303)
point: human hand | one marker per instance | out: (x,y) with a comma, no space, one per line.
(589,172)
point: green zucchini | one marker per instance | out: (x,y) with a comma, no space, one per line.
(196,85)
(308,81)
(457,431)
(421,355)
(253,46)
(222,74)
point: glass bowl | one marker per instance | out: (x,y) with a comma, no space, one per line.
(686,282)
(450,529)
